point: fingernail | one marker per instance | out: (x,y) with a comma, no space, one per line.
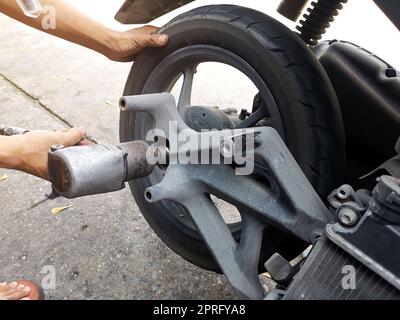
(83,131)
(25,299)
(13,284)
(27,289)
(21,286)
(163,38)
(2,284)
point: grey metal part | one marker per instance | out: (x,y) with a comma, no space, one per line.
(136,162)
(379,220)
(97,168)
(83,164)
(294,207)
(279,268)
(392,166)
(386,199)
(161,106)
(199,118)
(347,217)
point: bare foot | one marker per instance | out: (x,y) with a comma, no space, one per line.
(13,291)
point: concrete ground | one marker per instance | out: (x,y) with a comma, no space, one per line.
(101,248)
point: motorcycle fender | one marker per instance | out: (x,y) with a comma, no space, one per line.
(145,11)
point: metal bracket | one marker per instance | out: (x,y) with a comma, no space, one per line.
(289,202)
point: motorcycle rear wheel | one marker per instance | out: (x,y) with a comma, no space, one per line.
(300,100)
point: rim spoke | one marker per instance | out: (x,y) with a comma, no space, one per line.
(186,91)
(253,119)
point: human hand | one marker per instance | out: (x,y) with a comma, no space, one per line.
(31,149)
(127,44)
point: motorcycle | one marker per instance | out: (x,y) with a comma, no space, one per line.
(309,138)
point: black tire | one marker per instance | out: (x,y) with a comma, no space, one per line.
(306,100)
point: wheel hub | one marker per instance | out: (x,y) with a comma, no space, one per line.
(207,118)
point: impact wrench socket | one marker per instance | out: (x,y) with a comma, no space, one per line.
(95,169)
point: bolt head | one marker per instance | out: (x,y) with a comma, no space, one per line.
(348,217)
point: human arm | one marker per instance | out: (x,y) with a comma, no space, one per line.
(76,27)
(29,152)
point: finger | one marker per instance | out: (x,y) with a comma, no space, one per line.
(17,295)
(73,136)
(150,29)
(85,143)
(9,286)
(157,40)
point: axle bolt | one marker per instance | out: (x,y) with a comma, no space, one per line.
(348,217)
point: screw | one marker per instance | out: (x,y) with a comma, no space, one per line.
(348,217)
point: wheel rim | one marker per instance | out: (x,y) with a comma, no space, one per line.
(184,62)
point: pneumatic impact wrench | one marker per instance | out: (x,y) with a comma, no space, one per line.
(98,168)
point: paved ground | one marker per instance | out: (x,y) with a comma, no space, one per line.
(101,248)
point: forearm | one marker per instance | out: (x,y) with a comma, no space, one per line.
(71,24)
(9,152)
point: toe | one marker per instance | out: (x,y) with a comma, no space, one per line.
(7,287)
(13,291)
